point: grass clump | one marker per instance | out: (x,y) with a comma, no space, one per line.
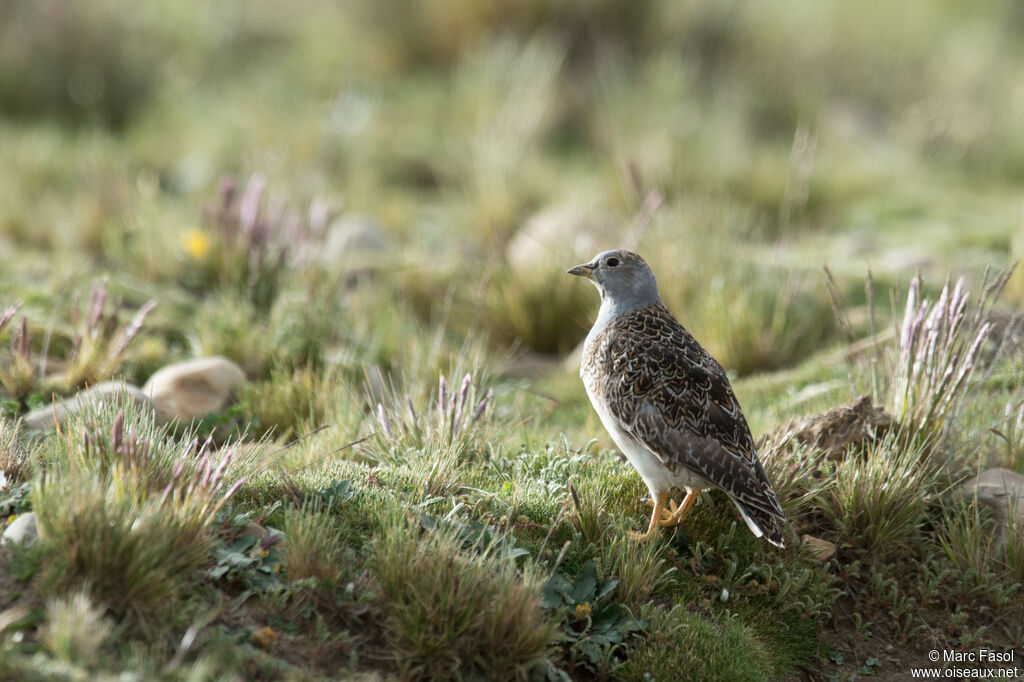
(98,346)
(453,615)
(721,648)
(15,463)
(76,629)
(288,401)
(589,516)
(968,538)
(126,513)
(762,319)
(92,349)
(312,546)
(539,310)
(642,568)
(877,501)
(941,346)
(18,376)
(249,242)
(453,424)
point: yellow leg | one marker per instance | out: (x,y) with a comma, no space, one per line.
(652,528)
(667,511)
(682,510)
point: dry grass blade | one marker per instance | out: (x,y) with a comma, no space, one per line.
(652,202)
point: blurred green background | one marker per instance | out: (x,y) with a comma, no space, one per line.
(489,145)
(349,199)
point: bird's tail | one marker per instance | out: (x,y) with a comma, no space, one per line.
(761,523)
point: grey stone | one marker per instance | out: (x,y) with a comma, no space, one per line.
(22,530)
(58,413)
(194,388)
(565,235)
(355,241)
(1002,491)
(819,549)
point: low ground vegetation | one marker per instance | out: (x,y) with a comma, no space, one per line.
(412,482)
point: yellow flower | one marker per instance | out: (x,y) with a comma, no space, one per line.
(265,637)
(197,244)
(583,610)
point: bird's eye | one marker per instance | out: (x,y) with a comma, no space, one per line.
(612,262)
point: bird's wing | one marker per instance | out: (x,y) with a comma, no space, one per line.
(667,392)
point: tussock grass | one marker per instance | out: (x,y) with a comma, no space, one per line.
(455,423)
(94,346)
(507,94)
(713,649)
(589,514)
(969,537)
(751,314)
(17,377)
(539,310)
(76,630)
(642,568)
(312,545)
(941,346)
(288,402)
(452,615)
(125,512)
(758,318)
(98,342)
(15,462)
(796,476)
(877,502)
(251,239)
(224,318)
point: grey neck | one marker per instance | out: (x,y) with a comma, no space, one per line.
(624,302)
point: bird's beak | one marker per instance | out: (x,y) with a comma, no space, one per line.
(586,270)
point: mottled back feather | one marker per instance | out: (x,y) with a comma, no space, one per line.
(668,393)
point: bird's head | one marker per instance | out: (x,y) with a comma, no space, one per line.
(622,277)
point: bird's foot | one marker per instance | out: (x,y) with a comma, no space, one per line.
(643,537)
(658,502)
(669,516)
(673,514)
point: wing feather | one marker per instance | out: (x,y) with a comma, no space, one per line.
(668,393)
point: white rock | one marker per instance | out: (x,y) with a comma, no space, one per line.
(48,417)
(355,241)
(565,234)
(1002,491)
(194,388)
(822,550)
(22,530)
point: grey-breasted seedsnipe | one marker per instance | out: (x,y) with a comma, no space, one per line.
(667,403)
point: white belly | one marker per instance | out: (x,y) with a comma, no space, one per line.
(654,473)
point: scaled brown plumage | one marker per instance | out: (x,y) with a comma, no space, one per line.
(660,393)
